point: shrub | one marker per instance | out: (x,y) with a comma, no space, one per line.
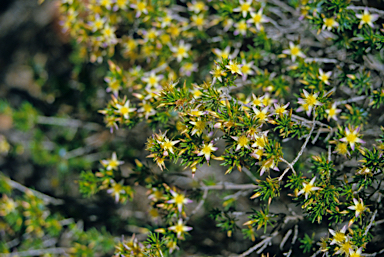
(287,94)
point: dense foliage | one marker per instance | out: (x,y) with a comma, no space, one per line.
(289,94)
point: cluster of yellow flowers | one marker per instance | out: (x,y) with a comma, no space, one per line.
(157,42)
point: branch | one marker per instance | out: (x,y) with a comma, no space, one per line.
(199,205)
(371,9)
(306,140)
(351,100)
(44,197)
(230,187)
(263,243)
(37,252)
(66,122)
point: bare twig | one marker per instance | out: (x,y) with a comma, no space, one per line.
(66,122)
(38,252)
(306,140)
(44,197)
(285,238)
(321,60)
(351,100)
(230,187)
(261,244)
(249,174)
(199,205)
(371,9)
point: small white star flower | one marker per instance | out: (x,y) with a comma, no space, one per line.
(308,188)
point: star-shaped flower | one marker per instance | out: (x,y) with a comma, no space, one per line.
(245,7)
(352,137)
(124,109)
(113,163)
(206,150)
(180,229)
(294,51)
(332,112)
(338,236)
(258,18)
(367,18)
(234,67)
(358,207)
(308,102)
(330,23)
(324,77)
(308,188)
(179,199)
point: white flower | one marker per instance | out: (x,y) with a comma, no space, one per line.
(294,51)
(367,18)
(308,188)
(245,7)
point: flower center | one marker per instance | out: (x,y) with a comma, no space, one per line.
(339,237)
(245,7)
(257,18)
(352,138)
(366,18)
(124,110)
(245,69)
(141,6)
(295,50)
(243,141)
(179,199)
(311,100)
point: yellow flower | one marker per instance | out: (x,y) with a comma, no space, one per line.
(294,51)
(140,7)
(124,109)
(198,21)
(113,163)
(217,73)
(97,24)
(245,7)
(242,142)
(352,137)
(356,253)
(167,145)
(330,23)
(116,189)
(281,110)
(257,101)
(342,148)
(309,101)
(358,207)
(247,69)
(338,236)
(234,67)
(308,188)
(257,19)
(345,247)
(147,109)
(199,127)
(324,77)
(206,150)
(223,54)
(152,79)
(179,199)
(197,6)
(180,229)
(181,51)
(267,165)
(262,115)
(367,18)
(332,112)
(241,28)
